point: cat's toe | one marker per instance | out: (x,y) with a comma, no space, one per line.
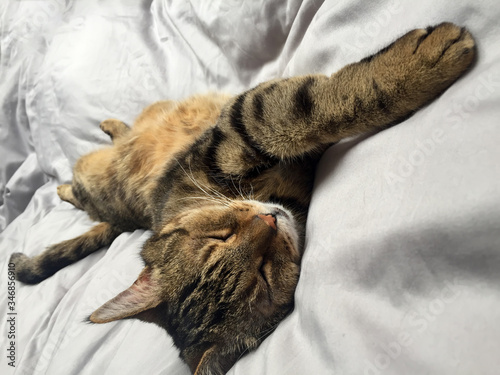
(114,128)
(63,190)
(107,127)
(446,47)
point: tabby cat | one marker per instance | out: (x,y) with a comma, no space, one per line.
(224,183)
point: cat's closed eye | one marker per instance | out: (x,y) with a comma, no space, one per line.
(224,237)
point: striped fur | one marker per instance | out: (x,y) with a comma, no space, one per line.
(36,269)
(225,183)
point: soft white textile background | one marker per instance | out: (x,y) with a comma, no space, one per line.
(401,268)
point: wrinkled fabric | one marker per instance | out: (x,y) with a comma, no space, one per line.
(402,260)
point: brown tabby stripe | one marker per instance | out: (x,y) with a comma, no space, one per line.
(188,304)
(81,195)
(357,108)
(219,315)
(211,283)
(173,176)
(257,171)
(197,329)
(271,87)
(229,292)
(222,275)
(210,159)
(212,268)
(188,290)
(228,180)
(195,339)
(304,103)
(223,179)
(258,107)
(194,319)
(237,123)
(383,100)
(173,173)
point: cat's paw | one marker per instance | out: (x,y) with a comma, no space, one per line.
(23,265)
(114,128)
(440,52)
(107,126)
(446,47)
(423,63)
(64,192)
(18,259)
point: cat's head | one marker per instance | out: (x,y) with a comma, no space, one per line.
(218,278)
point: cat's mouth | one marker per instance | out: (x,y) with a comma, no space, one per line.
(263,272)
(266,291)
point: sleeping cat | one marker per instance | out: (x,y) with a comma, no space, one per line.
(224,183)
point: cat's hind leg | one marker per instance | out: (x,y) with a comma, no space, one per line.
(65,192)
(32,270)
(114,128)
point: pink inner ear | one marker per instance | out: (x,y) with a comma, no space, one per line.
(143,294)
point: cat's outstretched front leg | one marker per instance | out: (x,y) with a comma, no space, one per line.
(291,117)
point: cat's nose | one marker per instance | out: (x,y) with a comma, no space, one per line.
(269,219)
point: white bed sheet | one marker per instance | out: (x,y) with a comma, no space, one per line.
(402,261)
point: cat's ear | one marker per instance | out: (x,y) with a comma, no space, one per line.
(144,294)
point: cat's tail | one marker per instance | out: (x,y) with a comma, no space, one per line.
(55,257)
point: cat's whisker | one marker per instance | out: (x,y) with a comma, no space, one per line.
(240,188)
(250,193)
(209,188)
(264,334)
(238,191)
(218,193)
(215,200)
(191,177)
(234,186)
(198,184)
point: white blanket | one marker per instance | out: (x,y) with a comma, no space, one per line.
(401,273)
